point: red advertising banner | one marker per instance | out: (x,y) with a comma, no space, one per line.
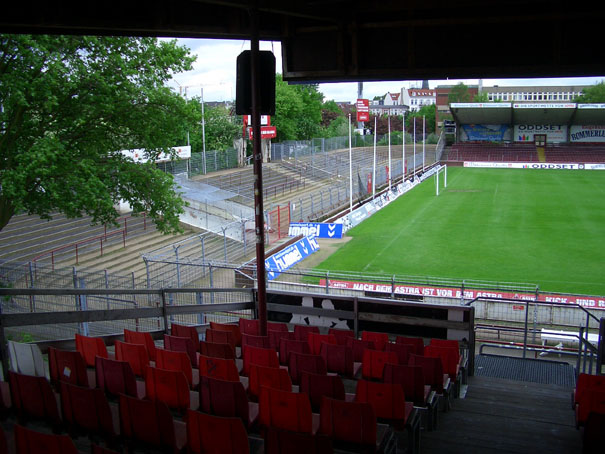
(363,110)
(266,132)
(591,302)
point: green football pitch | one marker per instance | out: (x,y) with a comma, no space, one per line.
(544,227)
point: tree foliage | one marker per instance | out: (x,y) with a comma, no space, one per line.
(220,127)
(459,93)
(481,97)
(594,94)
(427,111)
(69,104)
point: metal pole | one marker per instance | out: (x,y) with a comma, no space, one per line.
(414,139)
(258,179)
(525,331)
(350,169)
(403,152)
(203,130)
(423,141)
(390,164)
(374,167)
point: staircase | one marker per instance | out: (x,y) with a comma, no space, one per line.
(541,154)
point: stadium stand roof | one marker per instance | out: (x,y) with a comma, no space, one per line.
(340,40)
(501,113)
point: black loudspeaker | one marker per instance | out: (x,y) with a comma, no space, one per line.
(266,77)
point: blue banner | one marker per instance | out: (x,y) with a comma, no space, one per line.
(485,133)
(315,230)
(289,256)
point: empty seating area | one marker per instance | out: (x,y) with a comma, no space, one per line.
(520,152)
(305,390)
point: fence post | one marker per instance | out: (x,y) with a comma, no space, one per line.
(327,282)
(245,240)
(525,330)
(211,282)
(107,287)
(225,243)
(203,238)
(215,166)
(199,299)
(393,287)
(32,298)
(164,314)
(178,266)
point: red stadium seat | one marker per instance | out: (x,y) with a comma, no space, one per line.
(417,342)
(341,335)
(32,397)
(445,343)
(592,402)
(215,350)
(433,371)
(411,378)
(277,326)
(271,377)
(249,326)
(374,361)
(402,351)
(135,354)
(168,386)
(29,441)
(278,441)
(302,331)
(380,339)
(186,331)
(86,410)
(250,340)
(147,423)
(67,366)
(221,336)
(90,347)
(285,410)
(276,336)
(301,362)
(586,387)
(181,344)
(224,369)
(315,340)
(228,399)
(236,335)
(215,434)
(387,400)
(317,386)
(116,377)
(351,423)
(339,359)
(142,338)
(286,346)
(450,360)
(169,360)
(261,356)
(358,346)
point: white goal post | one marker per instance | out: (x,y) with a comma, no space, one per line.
(441,169)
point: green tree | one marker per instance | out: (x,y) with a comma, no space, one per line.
(594,94)
(481,97)
(69,105)
(221,128)
(459,93)
(427,111)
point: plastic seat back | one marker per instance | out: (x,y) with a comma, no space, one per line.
(586,381)
(387,399)
(449,359)
(261,356)
(90,347)
(249,326)
(374,361)
(380,339)
(341,335)
(168,386)
(287,346)
(403,351)
(224,398)
(224,369)
(29,441)
(301,362)
(445,343)
(302,332)
(350,422)
(26,359)
(359,346)
(433,371)
(215,350)
(215,434)
(250,340)
(32,397)
(593,402)
(219,336)
(236,334)
(87,410)
(278,441)
(146,422)
(277,326)
(285,410)
(186,331)
(169,360)
(181,344)
(338,358)
(276,336)
(416,342)
(141,338)
(115,377)
(67,366)
(317,386)
(134,354)
(316,340)
(270,377)
(411,379)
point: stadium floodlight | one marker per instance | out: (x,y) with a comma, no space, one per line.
(403,152)
(440,169)
(374,166)
(390,172)
(350,169)
(423,140)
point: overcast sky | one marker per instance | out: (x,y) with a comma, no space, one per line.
(215,69)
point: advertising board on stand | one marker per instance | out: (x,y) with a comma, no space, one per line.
(554,133)
(535,165)
(290,256)
(316,229)
(587,133)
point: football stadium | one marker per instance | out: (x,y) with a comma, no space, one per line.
(369,293)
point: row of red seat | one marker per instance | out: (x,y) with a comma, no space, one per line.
(588,403)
